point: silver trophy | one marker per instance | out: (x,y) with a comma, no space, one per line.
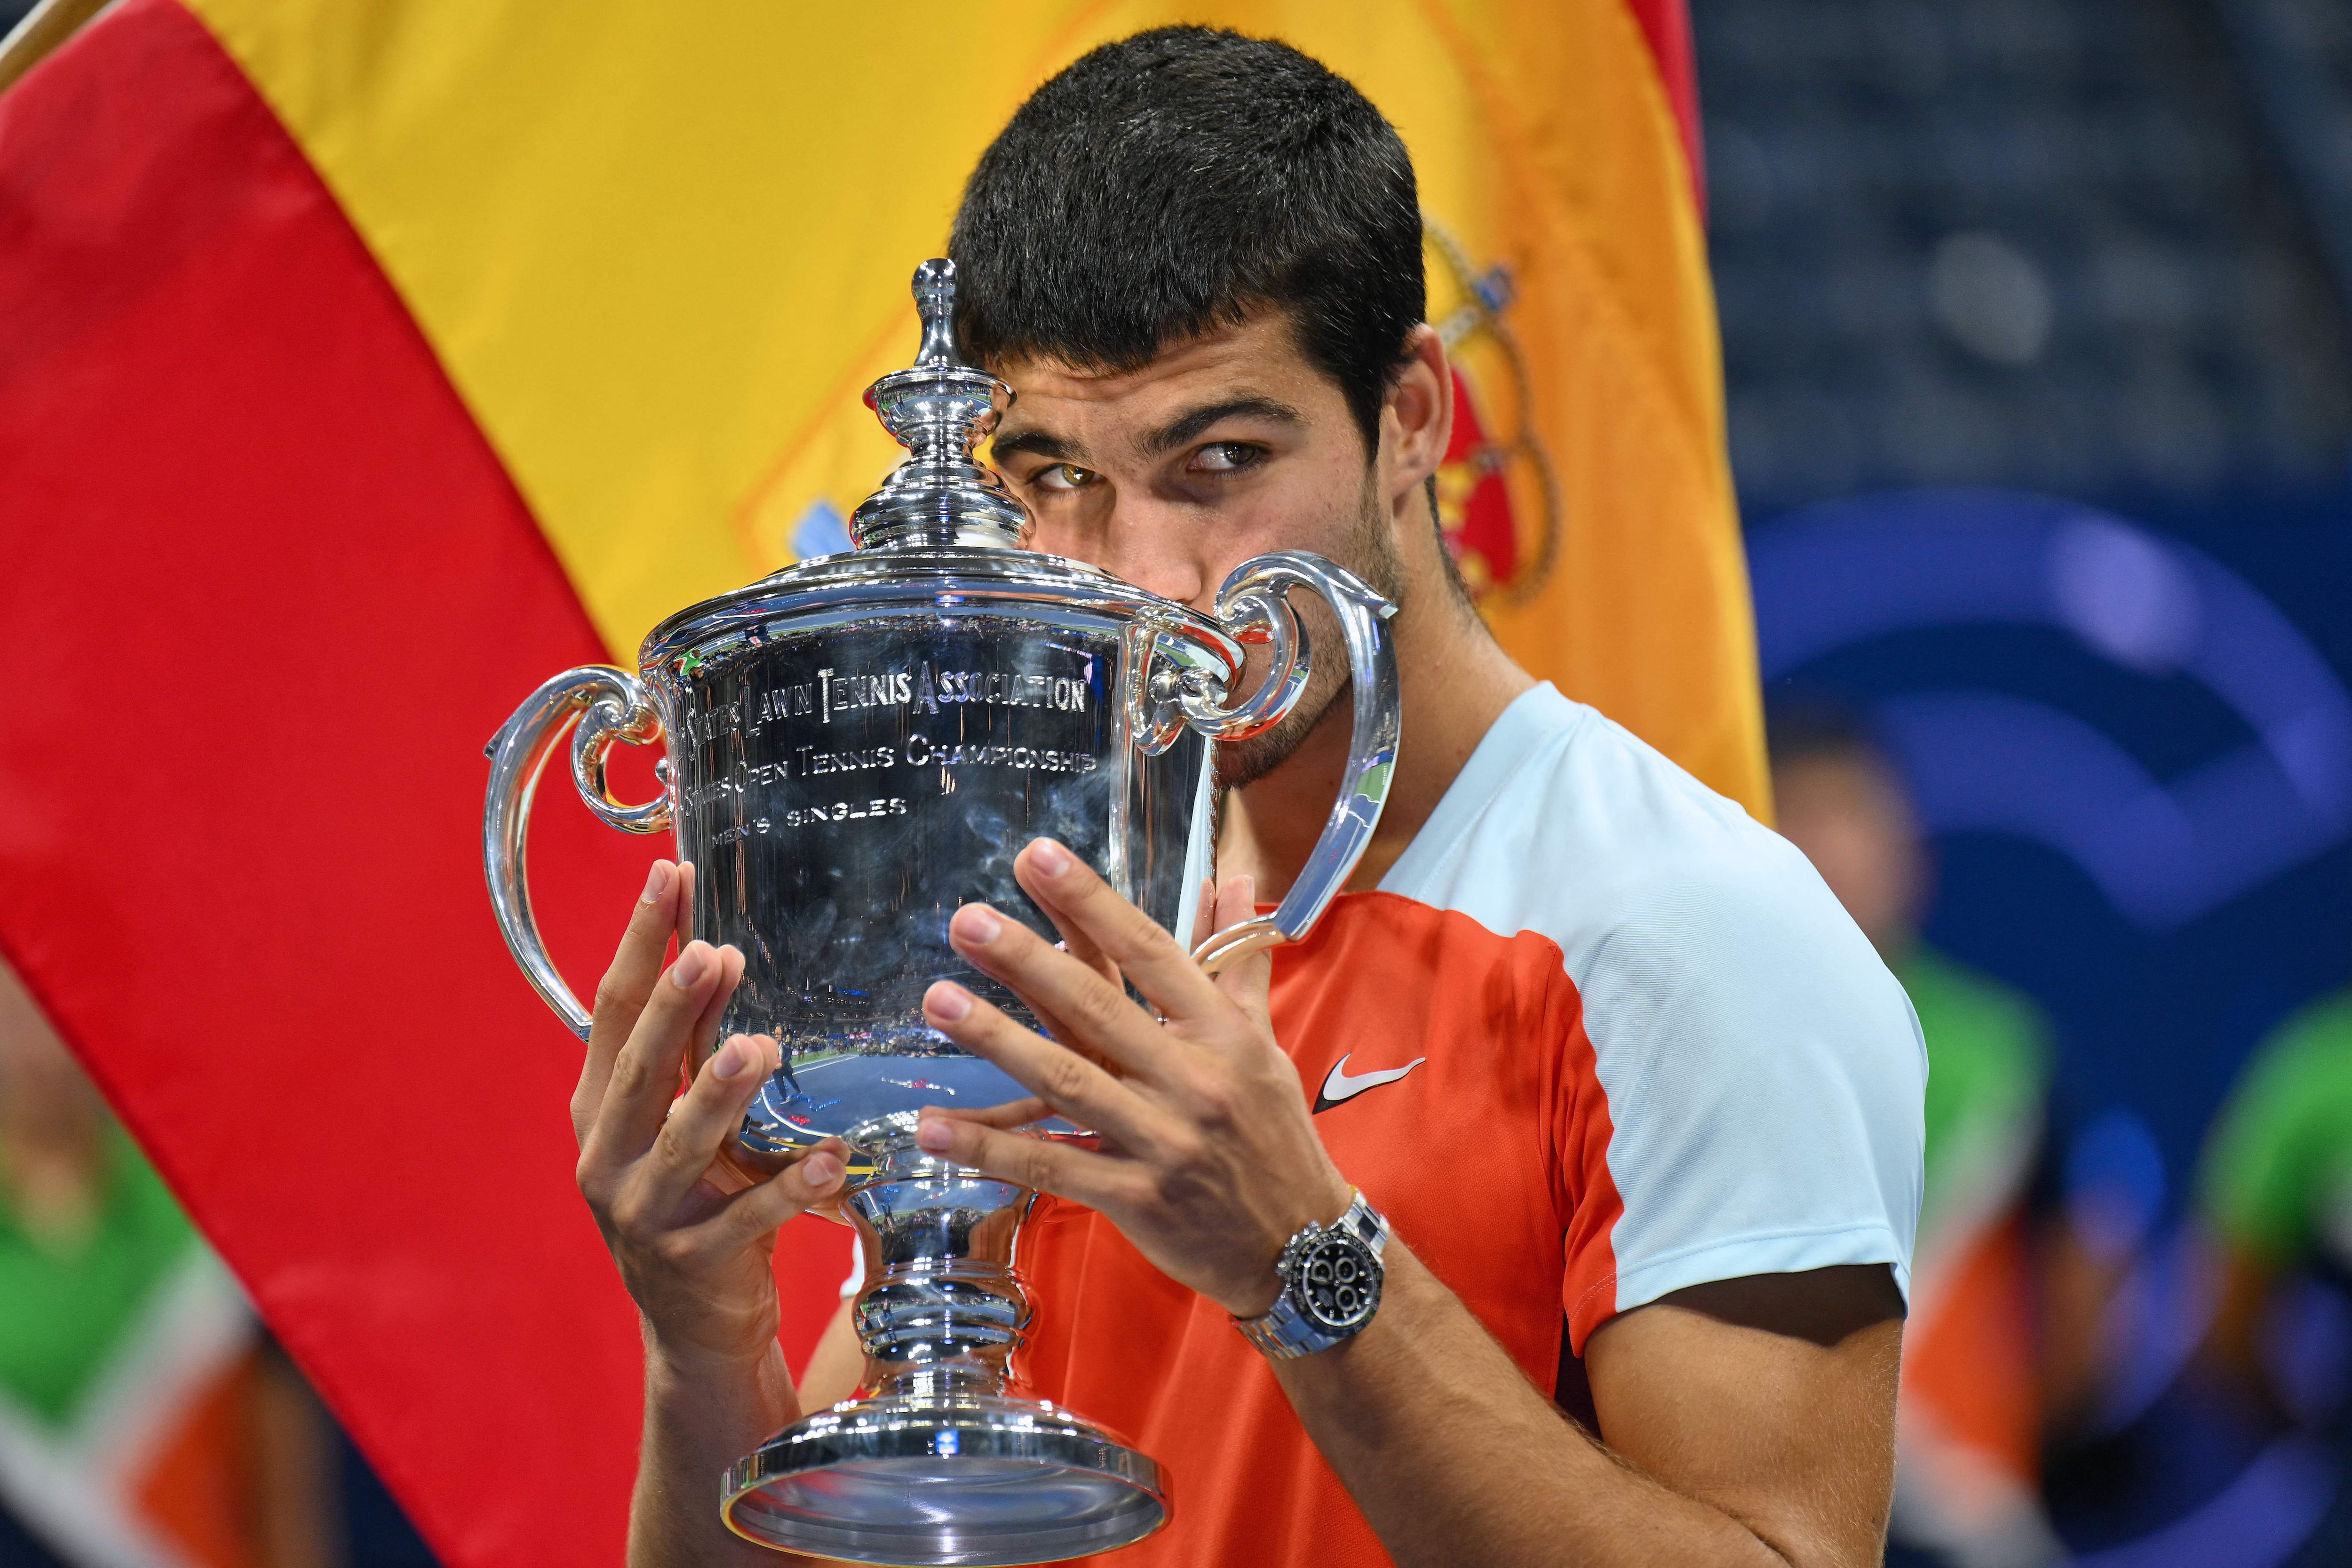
(858,745)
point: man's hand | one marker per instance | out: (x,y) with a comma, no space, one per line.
(694,1250)
(693,1236)
(1209,1161)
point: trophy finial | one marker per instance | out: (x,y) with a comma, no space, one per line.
(935,290)
(938,408)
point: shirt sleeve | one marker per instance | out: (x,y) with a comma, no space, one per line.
(1764,1077)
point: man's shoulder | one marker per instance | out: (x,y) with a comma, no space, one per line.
(1755,1073)
(1589,832)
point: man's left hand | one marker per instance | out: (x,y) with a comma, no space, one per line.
(1208,1159)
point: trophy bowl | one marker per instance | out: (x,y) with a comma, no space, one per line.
(855,747)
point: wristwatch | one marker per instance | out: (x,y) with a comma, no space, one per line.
(1332,1278)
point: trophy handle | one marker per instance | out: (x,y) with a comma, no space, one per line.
(607,705)
(1255,605)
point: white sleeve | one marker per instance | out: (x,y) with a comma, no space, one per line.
(1764,1073)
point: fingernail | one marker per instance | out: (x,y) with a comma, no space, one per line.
(1249,891)
(978,923)
(821,1170)
(1050,858)
(933,1135)
(733,1057)
(947,1002)
(657,882)
(691,966)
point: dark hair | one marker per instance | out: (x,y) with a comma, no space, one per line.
(1169,184)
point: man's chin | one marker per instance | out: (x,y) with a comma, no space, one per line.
(1242,764)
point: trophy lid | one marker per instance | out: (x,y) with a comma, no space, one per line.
(940,409)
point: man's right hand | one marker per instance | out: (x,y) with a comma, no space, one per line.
(693,1249)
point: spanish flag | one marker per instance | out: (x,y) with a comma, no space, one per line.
(362,365)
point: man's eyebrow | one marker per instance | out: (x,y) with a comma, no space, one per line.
(1037,444)
(1181,432)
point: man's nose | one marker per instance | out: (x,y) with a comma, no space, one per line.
(1152,545)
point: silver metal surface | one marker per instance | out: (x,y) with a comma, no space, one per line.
(940,409)
(858,746)
(616,707)
(976,1478)
(950,1460)
(1379,723)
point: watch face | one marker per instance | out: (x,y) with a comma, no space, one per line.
(1338,1283)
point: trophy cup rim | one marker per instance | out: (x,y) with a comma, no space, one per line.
(942,577)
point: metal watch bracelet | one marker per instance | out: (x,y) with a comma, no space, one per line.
(1293,1327)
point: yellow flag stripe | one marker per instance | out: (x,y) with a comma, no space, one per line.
(661,251)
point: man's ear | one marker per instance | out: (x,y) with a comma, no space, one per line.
(1417,419)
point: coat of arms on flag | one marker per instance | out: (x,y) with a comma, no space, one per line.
(1498,496)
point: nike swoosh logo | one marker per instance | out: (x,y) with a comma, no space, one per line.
(1341,1087)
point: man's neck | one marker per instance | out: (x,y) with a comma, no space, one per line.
(1454,683)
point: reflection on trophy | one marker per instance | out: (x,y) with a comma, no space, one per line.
(857,745)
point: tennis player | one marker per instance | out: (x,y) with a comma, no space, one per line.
(1588,1068)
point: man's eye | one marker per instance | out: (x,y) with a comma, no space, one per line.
(1063,477)
(1224,456)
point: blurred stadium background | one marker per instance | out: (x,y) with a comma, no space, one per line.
(2034,325)
(2039,383)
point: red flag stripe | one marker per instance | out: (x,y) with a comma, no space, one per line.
(270,591)
(1667,25)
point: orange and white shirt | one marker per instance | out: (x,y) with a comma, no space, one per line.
(1597,1037)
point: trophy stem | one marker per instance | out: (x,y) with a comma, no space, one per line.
(942,1309)
(949,1459)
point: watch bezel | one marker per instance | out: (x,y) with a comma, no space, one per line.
(1292,1327)
(1339,1244)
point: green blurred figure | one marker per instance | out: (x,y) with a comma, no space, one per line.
(1970,1419)
(2276,1194)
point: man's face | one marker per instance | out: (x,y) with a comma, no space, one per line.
(1173,474)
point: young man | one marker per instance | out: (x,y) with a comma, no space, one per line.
(1638,1104)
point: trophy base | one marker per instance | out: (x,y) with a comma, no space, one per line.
(945,1480)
